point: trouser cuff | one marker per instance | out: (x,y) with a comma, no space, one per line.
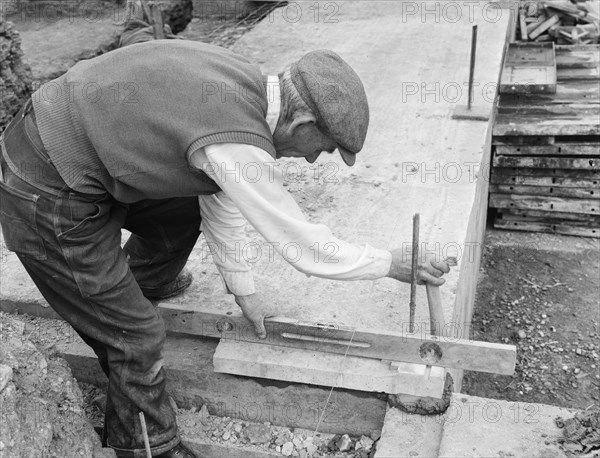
(141,452)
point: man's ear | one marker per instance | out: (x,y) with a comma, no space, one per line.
(303,120)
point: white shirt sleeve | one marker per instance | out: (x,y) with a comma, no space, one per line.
(249,178)
(223,227)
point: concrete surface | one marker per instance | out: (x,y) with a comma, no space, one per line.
(477,427)
(327,369)
(474,427)
(407,435)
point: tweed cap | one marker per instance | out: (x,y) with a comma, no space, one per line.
(335,94)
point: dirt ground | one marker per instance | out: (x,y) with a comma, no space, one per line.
(542,294)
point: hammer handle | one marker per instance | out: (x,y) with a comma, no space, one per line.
(436,314)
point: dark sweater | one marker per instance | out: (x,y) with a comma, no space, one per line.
(126,122)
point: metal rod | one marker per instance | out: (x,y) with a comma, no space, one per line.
(413,271)
(472,66)
(145,434)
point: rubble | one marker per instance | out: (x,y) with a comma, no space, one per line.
(41,411)
(15,76)
(266,437)
(581,433)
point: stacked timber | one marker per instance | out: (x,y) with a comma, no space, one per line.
(561,21)
(545,172)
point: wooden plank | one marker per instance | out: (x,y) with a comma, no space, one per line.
(566,92)
(543,26)
(572,123)
(327,369)
(578,74)
(564,229)
(547,162)
(554,181)
(568,49)
(330,338)
(563,110)
(522,25)
(192,382)
(402,346)
(580,219)
(576,174)
(560,204)
(417,348)
(523,140)
(535,22)
(551,217)
(558,149)
(588,57)
(576,193)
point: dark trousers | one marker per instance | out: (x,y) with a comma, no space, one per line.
(70,244)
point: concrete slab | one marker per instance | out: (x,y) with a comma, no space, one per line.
(475,427)
(408,435)
(327,369)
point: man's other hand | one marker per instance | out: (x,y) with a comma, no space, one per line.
(429,271)
(256,309)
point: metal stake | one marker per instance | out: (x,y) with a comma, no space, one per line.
(414,271)
(472,67)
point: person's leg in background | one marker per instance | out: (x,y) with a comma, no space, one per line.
(137,28)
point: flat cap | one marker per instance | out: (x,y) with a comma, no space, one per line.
(335,94)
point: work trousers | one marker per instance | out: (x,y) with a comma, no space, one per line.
(70,244)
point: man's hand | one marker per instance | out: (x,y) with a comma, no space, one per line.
(427,272)
(256,310)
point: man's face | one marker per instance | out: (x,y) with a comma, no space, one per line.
(306,141)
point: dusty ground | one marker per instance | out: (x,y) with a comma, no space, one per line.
(541,293)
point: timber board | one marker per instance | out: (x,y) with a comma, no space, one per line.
(586,164)
(549,228)
(193,321)
(578,74)
(566,92)
(514,177)
(584,122)
(558,149)
(581,57)
(327,369)
(419,347)
(545,203)
(579,219)
(577,193)
(564,110)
